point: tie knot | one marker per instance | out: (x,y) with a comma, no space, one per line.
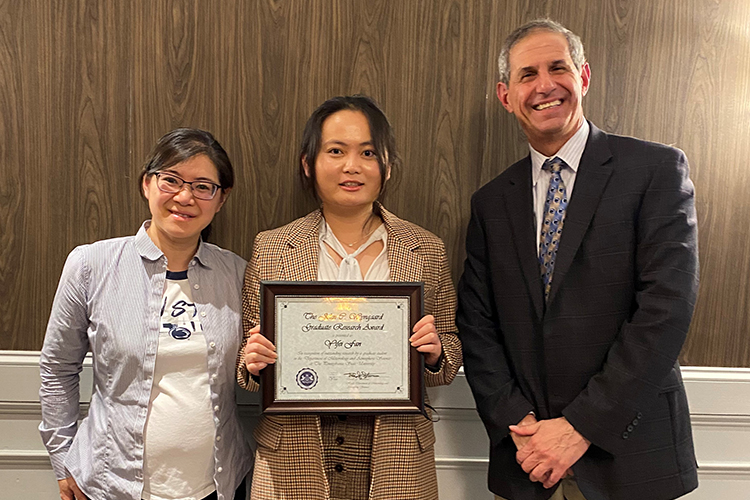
(554,165)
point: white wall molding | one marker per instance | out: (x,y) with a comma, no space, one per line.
(708,469)
(719,402)
(477,463)
(715,374)
(24,459)
(23,358)
(723,469)
(718,420)
(28,410)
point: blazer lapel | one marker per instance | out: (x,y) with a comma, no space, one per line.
(405,263)
(520,209)
(591,179)
(300,258)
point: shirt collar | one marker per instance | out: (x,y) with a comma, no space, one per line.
(571,152)
(325,235)
(148,250)
(204,254)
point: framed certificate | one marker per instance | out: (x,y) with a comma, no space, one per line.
(343,347)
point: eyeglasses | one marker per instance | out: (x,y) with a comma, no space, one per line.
(170,183)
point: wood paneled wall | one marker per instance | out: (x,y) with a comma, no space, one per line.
(87,87)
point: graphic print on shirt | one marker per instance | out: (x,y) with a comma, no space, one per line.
(177,464)
(179,317)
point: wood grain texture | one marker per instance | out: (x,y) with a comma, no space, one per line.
(12,175)
(64,117)
(87,88)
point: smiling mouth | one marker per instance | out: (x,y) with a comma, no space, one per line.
(547,105)
(351,184)
(182,215)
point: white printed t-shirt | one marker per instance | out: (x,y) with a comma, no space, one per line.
(179,436)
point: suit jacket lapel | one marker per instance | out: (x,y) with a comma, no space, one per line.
(300,258)
(303,249)
(405,263)
(593,173)
(520,209)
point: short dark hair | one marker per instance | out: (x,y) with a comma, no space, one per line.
(575,47)
(383,139)
(180,145)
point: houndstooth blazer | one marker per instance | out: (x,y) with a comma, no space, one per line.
(289,459)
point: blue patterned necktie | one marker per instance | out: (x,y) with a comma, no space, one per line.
(552,224)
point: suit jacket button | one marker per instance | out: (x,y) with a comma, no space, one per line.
(625,435)
(630,428)
(339,468)
(639,416)
(635,422)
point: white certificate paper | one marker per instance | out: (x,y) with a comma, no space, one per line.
(342,348)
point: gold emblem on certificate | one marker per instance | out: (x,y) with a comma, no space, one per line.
(343,347)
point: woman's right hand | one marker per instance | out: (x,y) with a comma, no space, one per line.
(259,352)
(69,490)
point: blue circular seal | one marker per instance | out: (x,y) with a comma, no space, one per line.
(307,378)
(179,332)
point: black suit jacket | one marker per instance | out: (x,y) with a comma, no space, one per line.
(603,350)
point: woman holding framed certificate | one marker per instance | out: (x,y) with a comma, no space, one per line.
(346,158)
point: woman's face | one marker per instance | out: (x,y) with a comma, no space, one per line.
(180,217)
(347,173)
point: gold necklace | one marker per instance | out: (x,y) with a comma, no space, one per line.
(363,238)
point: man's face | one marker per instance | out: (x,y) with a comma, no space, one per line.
(545,90)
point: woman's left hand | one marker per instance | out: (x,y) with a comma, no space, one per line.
(426,339)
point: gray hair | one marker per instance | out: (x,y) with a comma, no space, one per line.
(575,47)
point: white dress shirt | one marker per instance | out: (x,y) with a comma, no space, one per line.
(570,153)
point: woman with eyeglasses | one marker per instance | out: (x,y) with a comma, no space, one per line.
(160,314)
(347,155)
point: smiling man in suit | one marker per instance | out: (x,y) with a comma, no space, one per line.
(578,290)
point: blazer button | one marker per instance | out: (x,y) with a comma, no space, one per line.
(630,428)
(639,416)
(625,435)
(339,468)
(635,422)
(340,440)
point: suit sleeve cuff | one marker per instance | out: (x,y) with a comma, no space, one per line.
(611,435)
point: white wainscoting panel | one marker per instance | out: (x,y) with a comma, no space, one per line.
(719,402)
(720,413)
